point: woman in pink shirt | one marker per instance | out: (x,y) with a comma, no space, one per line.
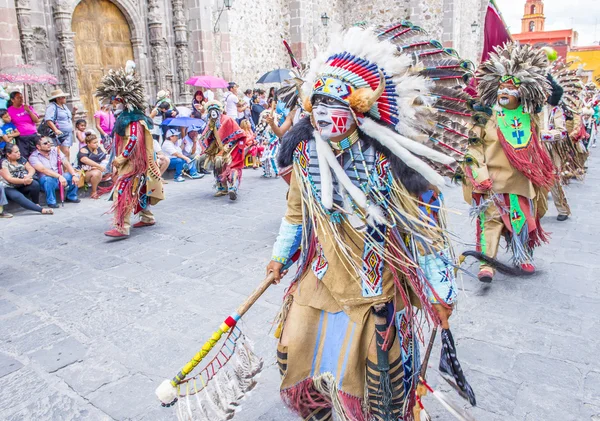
(105,121)
(24,117)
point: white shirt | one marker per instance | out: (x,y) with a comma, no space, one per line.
(157,147)
(186,144)
(231,102)
(210,95)
(169,148)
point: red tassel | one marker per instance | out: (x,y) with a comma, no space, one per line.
(303,398)
(484,186)
(538,236)
(533,161)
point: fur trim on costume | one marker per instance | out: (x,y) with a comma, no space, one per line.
(496,264)
(303,130)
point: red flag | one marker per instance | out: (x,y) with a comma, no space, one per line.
(495,30)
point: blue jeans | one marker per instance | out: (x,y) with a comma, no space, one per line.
(50,185)
(178,164)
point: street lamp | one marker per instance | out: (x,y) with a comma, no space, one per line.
(325,19)
(228,4)
(474,27)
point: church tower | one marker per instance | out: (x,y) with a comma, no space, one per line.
(533,17)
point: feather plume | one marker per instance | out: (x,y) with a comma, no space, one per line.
(527,63)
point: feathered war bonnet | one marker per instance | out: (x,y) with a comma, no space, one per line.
(405,90)
(122,85)
(570,82)
(523,65)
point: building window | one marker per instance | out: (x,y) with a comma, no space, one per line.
(532,9)
(531,26)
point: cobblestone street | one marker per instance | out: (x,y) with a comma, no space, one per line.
(89,327)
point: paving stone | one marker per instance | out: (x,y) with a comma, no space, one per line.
(137,310)
(127,398)
(93,372)
(6,307)
(59,407)
(8,365)
(38,338)
(60,355)
(591,387)
(539,370)
(538,402)
(20,388)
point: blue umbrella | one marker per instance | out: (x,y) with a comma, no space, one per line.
(184,122)
(276,76)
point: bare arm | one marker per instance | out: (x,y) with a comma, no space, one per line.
(69,168)
(102,132)
(30,170)
(12,135)
(33,116)
(283,129)
(43,170)
(53,127)
(12,180)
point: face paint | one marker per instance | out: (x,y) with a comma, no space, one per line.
(214,114)
(508,96)
(331,117)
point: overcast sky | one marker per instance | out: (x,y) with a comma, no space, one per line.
(581,15)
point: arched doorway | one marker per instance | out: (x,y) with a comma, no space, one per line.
(102,42)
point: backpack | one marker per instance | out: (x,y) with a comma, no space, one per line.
(43,129)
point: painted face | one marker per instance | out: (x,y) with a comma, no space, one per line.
(214,114)
(332,118)
(508,96)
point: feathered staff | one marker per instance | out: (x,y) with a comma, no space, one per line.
(230,386)
(295,63)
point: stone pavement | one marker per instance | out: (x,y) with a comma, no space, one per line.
(89,328)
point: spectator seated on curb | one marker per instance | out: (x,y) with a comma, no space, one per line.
(8,130)
(46,160)
(3,202)
(92,159)
(179,162)
(161,159)
(191,148)
(16,177)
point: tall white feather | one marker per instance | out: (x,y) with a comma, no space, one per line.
(385,136)
(377,130)
(325,171)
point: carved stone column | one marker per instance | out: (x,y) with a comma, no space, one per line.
(158,47)
(182,52)
(28,47)
(62,13)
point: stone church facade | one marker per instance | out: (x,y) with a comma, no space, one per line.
(171,40)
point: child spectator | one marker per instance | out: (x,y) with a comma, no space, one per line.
(105,121)
(92,159)
(252,147)
(8,131)
(80,132)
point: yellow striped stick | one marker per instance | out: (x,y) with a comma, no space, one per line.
(167,391)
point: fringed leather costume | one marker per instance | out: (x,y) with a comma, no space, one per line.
(138,183)
(365,211)
(508,170)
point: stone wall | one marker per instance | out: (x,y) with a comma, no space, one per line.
(10,46)
(256,29)
(238,44)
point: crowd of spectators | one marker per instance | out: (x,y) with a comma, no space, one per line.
(35,150)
